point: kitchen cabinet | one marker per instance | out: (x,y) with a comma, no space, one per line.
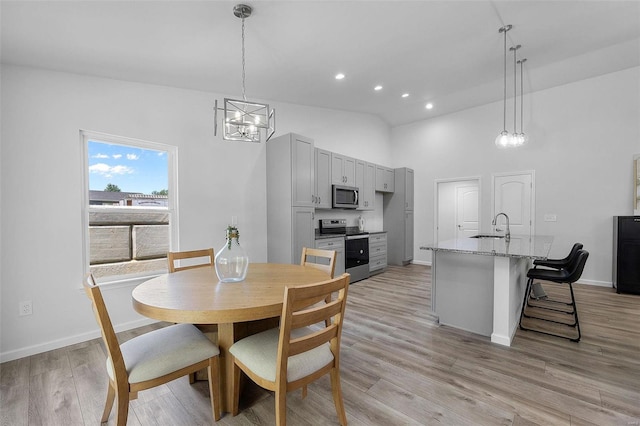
(377,252)
(302,171)
(302,232)
(343,170)
(398,218)
(290,197)
(322,197)
(336,244)
(385,179)
(365,181)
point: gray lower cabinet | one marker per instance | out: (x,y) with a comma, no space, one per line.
(377,252)
(336,244)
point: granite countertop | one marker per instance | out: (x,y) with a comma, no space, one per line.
(535,247)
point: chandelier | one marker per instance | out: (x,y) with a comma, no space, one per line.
(244,120)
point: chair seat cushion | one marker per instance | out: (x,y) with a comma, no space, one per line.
(555,275)
(164,351)
(259,353)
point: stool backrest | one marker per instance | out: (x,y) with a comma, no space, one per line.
(577,266)
(573,254)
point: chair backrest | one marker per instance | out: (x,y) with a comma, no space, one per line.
(106,328)
(172,256)
(573,254)
(330,255)
(577,266)
(301,309)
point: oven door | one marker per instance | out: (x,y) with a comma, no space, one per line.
(356,251)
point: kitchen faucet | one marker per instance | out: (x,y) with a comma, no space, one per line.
(507,235)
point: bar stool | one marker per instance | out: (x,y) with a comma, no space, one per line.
(538,292)
(560,263)
(568,275)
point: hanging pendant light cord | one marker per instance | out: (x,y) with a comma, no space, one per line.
(515,88)
(521,95)
(244,96)
(504,113)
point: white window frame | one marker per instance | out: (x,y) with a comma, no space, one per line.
(172,210)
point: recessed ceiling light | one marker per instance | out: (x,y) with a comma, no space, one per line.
(378,87)
(339,76)
(405,95)
(429,105)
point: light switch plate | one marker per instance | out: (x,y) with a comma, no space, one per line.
(550,217)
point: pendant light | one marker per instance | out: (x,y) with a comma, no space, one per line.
(244,120)
(504,138)
(522,137)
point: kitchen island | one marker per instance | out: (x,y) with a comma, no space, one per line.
(478,284)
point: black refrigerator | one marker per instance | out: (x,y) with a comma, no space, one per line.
(626,254)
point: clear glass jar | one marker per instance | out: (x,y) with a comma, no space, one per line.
(231,261)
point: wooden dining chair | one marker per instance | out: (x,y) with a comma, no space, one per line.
(327,261)
(173,256)
(328,265)
(292,356)
(152,359)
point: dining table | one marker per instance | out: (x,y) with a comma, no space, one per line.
(239,309)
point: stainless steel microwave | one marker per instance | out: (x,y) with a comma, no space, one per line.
(345,197)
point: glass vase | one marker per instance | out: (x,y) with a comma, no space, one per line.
(231,261)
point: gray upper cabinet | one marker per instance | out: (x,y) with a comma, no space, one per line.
(302,171)
(408,189)
(322,196)
(365,181)
(385,179)
(343,170)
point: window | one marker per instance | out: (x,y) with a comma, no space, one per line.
(129,206)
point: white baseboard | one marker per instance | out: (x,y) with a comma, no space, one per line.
(421,262)
(66,341)
(596,283)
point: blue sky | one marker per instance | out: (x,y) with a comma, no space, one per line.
(131,169)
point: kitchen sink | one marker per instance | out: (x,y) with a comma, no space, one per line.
(487,236)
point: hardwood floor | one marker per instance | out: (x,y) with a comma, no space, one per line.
(398,368)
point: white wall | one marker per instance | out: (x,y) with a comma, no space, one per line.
(41,178)
(583,137)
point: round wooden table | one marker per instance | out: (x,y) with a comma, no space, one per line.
(240,309)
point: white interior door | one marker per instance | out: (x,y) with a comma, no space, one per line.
(456,208)
(514,195)
(466,211)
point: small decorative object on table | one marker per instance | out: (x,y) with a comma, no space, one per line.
(232,261)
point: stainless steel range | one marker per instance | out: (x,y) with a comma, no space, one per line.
(356,258)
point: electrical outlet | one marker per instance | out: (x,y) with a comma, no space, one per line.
(25,308)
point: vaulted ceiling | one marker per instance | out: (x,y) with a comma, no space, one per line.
(448,53)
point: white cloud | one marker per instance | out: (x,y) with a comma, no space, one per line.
(108,171)
(101,156)
(116,156)
(132,157)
